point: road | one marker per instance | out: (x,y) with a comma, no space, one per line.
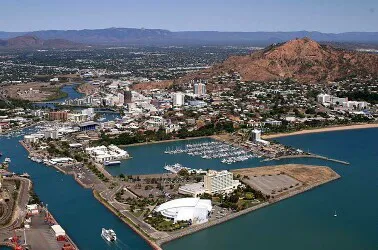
(109,196)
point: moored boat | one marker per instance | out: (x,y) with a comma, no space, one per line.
(111,163)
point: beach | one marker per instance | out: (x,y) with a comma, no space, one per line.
(321,130)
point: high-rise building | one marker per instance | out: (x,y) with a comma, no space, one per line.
(220,182)
(199,88)
(178,99)
(127,95)
(256,135)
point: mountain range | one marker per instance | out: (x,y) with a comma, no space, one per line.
(303,60)
(133,36)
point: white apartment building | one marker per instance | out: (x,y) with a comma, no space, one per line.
(102,154)
(178,99)
(220,182)
(255,135)
(324,98)
(77,117)
(155,122)
(355,105)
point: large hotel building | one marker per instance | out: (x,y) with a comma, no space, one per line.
(220,182)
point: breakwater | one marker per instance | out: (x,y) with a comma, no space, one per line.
(307,156)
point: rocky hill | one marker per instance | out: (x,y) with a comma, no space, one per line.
(28,41)
(301,59)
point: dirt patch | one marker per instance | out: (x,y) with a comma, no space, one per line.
(87,89)
(35,91)
(152,85)
(306,174)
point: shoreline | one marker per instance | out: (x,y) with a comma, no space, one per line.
(322,130)
(201,227)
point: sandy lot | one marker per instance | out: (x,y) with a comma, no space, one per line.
(152,85)
(306,174)
(35,91)
(272,184)
(87,89)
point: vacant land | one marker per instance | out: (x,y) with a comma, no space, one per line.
(272,184)
(88,89)
(34,91)
(276,180)
(152,85)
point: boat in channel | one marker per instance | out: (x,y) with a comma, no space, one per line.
(109,234)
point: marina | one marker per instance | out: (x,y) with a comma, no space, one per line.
(214,150)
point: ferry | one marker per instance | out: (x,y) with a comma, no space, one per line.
(7,160)
(111,163)
(109,234)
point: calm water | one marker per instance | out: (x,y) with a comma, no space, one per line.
(75,208)
(72,93)
(150,159)
(306,221)
(302,222)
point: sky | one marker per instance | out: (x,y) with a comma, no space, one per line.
(333,16)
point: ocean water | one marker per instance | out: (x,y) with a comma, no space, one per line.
(306,221)
(74,207)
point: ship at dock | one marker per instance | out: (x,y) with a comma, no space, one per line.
(111,163)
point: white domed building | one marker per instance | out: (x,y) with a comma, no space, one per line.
(186,209)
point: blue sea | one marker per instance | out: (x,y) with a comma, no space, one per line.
(305,221)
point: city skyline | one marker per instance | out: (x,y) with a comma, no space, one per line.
(246,16)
